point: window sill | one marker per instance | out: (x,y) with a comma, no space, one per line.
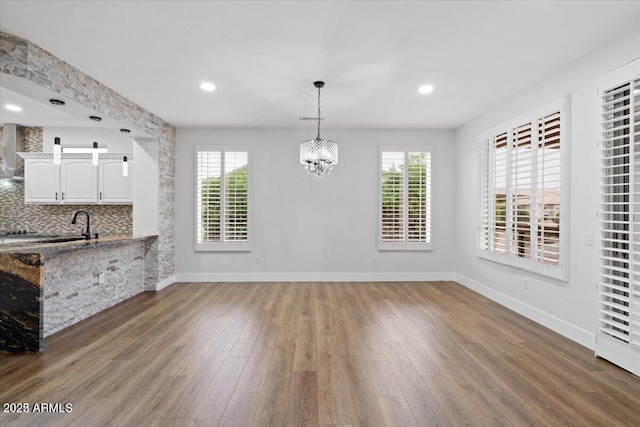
(222,247)
(426,247)
(556,272)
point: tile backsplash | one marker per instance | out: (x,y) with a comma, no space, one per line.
(55,219)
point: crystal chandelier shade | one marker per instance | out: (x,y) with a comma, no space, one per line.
(318,156)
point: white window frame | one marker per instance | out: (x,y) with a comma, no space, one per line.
(222,245)
(406,245)
(485,179)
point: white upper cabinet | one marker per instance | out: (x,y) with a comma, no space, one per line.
(79,181)
(76,180)
(114,187)
(42,180)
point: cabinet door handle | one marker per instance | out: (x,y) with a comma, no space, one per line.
(56,195)
(101,195)
(63,195)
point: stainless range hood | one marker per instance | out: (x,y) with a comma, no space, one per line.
(13,142)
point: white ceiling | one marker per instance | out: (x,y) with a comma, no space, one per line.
(35,113)
(264,56)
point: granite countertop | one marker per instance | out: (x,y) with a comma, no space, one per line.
(55,248)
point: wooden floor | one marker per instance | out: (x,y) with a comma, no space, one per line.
(293,354)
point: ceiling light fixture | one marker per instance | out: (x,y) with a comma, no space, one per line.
(12,107)
(209,87)
(425,89)
(57,102)
(318,156)
(57,151)
(94,154)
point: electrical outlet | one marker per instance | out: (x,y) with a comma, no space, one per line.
(588,239)
(526,282)
(101,279)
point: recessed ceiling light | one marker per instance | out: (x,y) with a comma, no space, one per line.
(424,89)
(209,87)
(12,107)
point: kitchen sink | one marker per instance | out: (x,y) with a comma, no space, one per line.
(61,240)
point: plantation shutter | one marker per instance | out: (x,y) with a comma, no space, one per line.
(548,194)
(520,172)
(222,199)
(235,196)
(618,334)
(521,192)
(492,173)
(208,196)
(419,197)
(405,198)
(486,212)
(392,200)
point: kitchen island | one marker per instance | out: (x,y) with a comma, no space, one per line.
(46,287)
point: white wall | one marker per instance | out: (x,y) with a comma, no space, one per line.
(306,230)
(568,307)
(84,137)
(145,175)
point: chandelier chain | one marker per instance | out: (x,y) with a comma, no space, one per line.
(318,113)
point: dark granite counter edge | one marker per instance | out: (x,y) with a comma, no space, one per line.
(49,249)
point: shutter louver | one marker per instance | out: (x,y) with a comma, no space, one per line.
(392,196)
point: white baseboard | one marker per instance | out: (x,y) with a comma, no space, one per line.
(165,282)
(566,329)
(312,277)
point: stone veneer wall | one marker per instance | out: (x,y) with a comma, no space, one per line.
(54,219)
(32,140)
(21,58)
(73,293)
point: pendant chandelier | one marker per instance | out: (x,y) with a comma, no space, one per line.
(318,156)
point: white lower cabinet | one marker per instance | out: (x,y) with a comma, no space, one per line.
(76,180)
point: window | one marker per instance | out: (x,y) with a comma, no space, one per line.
(521,174)
(618,330)
(405,198)
(222,198)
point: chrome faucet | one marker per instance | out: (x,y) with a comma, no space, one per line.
(86,233)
